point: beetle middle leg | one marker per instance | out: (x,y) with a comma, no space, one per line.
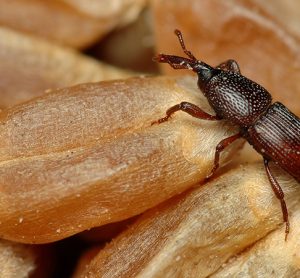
(220,147)
(230,65)
(280,195)
(189,108)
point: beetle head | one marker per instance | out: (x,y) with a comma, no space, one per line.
(203,70)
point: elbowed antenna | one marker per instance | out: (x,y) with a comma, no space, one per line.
(181,41)
(178,62)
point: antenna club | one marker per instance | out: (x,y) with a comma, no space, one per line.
(177,32)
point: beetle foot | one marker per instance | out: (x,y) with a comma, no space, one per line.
(164,119)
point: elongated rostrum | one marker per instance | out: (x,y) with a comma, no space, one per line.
(270,128)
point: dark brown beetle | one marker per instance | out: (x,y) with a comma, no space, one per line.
(271,129)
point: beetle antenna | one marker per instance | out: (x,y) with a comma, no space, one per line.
(181,41)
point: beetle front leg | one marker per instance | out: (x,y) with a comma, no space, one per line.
(220,147)
(189,108)
(280,195)
(230,65)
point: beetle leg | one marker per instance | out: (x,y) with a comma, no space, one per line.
(189,108)
(280,195)
(220,147)
(229,65)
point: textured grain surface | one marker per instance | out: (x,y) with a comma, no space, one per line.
(270,257)
(87,155)
(194,234)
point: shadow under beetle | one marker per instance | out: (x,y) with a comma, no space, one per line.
(271,129)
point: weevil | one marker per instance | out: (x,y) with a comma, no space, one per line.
(271,128)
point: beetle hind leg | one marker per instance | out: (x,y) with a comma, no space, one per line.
(280,195)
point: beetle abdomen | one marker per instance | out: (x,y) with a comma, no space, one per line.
(237,98)
(276,135)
